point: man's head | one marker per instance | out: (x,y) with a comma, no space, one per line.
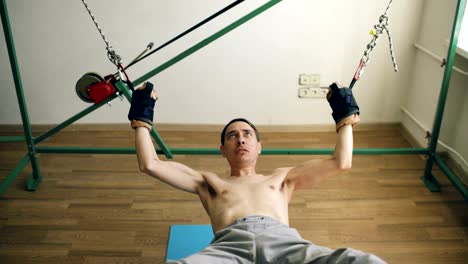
(223,133)
(240,142)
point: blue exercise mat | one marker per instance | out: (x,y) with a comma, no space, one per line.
(185,240)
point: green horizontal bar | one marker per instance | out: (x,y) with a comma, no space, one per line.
(12,176)
(85,150)
(369,151)
(215,151)
(452,177)
(389,151)
(12,138)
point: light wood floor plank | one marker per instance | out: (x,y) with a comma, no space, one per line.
(101,209)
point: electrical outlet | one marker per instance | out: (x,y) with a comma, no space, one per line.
(314,80)
(304,79)
(311,80)
(312,92)
(323,92)
(303,92)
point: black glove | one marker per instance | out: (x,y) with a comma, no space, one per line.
(142,107)
(344,106)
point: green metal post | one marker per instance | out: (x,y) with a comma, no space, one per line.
(428,179)
(12,176)
(205,42)
(126,92)
(31,182)
(452,177)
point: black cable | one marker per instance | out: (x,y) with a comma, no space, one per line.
(351,85)
(188,31)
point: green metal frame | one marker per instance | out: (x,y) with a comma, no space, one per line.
(429,180)
(34,180)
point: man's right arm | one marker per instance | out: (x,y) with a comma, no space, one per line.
(141,119)
(173,173)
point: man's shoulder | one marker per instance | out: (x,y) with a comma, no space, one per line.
(280,173)
(210,176)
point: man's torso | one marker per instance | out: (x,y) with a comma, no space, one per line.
(229,198)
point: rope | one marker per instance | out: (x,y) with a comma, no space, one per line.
(388,7)
(376,32)
(111,54)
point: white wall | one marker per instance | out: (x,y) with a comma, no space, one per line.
(423,93)
(250,72)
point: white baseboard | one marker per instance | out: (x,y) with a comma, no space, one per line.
(415,133)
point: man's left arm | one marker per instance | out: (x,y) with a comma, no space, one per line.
(346,115)
(313,172)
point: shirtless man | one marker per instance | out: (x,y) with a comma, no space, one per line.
(249,211)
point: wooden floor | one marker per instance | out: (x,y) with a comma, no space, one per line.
(101,209)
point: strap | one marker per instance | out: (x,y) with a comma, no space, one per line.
(137,123)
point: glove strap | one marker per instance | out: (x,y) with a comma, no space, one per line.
(350,120)
(137,123)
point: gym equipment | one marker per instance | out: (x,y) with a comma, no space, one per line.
(92,88)
(34,180)
(142,107)
(343,104)
(376,32)
(84,82)
(85,85)
(185,240)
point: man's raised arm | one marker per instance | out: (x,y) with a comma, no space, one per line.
(346,115)
(141,117)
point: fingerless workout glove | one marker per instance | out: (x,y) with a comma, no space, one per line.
(142,107)
(344,106)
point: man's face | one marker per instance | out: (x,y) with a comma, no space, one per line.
(240,143)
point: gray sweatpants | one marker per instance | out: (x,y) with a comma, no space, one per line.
(262,239)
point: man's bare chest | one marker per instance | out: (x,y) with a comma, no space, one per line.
(249,187)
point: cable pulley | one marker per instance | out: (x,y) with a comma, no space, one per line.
(93,88)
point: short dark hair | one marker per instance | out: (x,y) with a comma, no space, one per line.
(223,133)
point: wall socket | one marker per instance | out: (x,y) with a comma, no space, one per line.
(311,80)
(312,92)
(310,86)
